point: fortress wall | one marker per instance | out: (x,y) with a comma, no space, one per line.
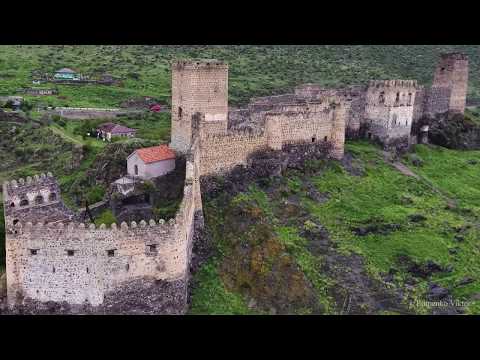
(223,152)
(40,267)
(419,103)
(52,275)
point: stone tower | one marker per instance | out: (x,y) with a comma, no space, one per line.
(450,83)
(389,110)
(198,87)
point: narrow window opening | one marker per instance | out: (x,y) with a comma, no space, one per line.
(12,204)
(397,99)
(152,247)
(180,111)
(53,269)
(369,135)
(70,252)
(325,138)
(111,253)
(127,267)
(381,98)
(136,169)
(313,139)
(88,270)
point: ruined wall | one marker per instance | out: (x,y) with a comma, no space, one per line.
(389,110)
(197,87)
(286,124)
(314,122)
(80,263)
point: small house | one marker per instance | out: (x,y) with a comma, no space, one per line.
(108,130)
(151,162)
(66,74)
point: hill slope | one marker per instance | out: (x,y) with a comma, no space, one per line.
(254,70)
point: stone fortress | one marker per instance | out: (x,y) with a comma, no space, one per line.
(52,257)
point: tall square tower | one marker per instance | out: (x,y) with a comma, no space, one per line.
(450,84)
(198,87)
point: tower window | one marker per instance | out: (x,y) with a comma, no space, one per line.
(381,97)
(325,138)
(127,267)
(38,200)
(313,139)
(180,111)
(442,69)
(12,204)
(397,99)
(33,251)
(70,252)
(152,248)
(111,253)
(136,169)
(24,202)
(15,221)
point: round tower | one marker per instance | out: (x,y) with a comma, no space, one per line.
(197,87)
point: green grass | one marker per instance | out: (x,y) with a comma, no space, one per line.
(106,217)
(382,196)
(254,70)
(212,298)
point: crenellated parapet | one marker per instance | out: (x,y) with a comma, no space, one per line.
(203,64)
(393,83)
(29,227)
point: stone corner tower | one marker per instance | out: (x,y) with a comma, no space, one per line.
(198,86)
(450,84)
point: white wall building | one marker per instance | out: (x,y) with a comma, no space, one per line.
(151,162)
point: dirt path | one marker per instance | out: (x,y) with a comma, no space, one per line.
(405,170)
(65,136)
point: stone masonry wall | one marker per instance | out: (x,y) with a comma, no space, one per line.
(287,124)
(389,109)
(77,263)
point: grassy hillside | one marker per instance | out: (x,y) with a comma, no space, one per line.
(254,70)
(386,234)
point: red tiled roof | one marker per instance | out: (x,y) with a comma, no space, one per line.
(155,153)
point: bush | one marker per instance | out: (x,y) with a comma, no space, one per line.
(106,218)
(95,194)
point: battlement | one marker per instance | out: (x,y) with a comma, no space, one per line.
(234,135)
(36,180)
(454,56)
(393,83)
(30,227)
(199,64)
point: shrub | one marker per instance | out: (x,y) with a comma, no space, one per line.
(95,194)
